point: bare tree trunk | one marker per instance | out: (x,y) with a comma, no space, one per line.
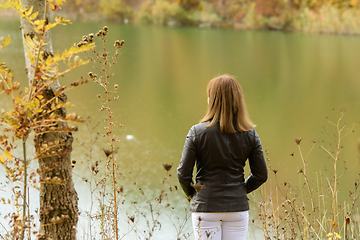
(58,198)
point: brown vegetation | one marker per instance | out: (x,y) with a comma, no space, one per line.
(311,16)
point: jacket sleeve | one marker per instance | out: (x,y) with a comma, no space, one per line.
(257,163)
(187,162)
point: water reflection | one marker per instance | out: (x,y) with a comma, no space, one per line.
(291,82)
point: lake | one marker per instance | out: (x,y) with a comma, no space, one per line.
(291,82)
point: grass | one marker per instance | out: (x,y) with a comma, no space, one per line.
(309,209)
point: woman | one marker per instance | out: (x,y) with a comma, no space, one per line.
(220,146)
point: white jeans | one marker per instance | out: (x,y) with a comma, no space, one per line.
(220,226)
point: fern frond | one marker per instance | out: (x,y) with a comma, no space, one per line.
(5,73)
(48,63)
(75,50)
(50,72)
(7,83)
(39,26)
(32,47)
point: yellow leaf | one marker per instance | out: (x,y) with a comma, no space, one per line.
(2,159)
(59,1)
(6,41)
(28,13)
(19,100)
(37,22)
(52,6)
(37,102)
(40,24)
(50,26)
(337,235)
(8,155)
(32,17)
(17,5)
(31,105)
(6,5)
(52,115)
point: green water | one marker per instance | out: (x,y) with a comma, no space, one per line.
(291,84)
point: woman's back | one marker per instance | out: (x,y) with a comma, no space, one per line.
(219,146)
(220,160)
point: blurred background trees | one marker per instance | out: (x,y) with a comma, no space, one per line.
(313,16)
(117,10)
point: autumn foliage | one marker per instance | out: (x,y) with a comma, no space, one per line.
(38,112)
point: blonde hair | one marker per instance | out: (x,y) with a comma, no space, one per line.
(227,106)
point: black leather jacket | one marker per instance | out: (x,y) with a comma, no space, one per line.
(220,159)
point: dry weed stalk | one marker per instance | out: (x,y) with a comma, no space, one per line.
(151,209)
(289,218)
(103,64)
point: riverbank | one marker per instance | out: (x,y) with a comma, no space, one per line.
(325,18)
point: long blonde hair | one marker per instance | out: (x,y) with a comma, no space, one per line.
(227,106)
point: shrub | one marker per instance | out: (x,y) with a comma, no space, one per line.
(116,10)
(205,14)
(328,19)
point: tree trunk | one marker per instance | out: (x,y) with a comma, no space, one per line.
(58,198)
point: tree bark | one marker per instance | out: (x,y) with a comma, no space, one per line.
(58,198)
